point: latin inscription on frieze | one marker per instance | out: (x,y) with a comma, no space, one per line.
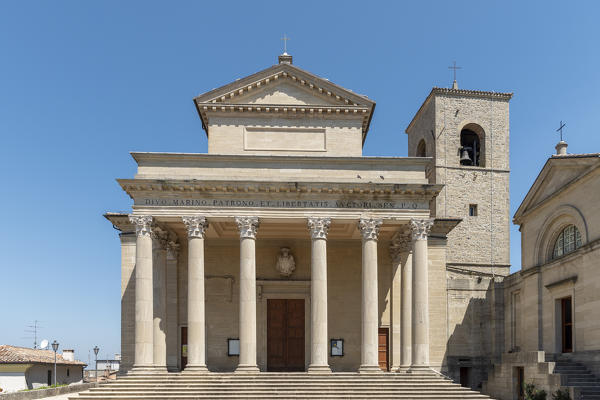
(258,203)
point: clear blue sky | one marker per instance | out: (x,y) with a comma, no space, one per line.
(84,83)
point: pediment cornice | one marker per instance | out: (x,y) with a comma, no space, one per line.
(230,98)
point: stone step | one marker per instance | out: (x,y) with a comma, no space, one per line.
(346,395)
(281,386)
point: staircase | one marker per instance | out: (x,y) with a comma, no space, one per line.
(281,386)
(584,384)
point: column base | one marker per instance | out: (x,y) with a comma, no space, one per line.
(319,369)
(403,369)
(420,369)
(369,369)
(147,369)
(195,369)
(247,369)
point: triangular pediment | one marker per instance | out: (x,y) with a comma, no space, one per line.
(284,93)
(557,173)
(284,83)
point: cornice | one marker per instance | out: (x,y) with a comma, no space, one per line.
(320,161)
(457,93)
(131,186)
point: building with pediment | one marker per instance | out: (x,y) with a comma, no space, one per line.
(552,305)
(285,249)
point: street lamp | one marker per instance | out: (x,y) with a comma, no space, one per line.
(96,350)
(55,347)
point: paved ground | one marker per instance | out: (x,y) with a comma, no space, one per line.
(61,397)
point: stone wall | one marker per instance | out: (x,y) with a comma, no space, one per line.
(316,136)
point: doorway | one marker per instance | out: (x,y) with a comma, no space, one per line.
(183,347)
(383,349)
(285,335)
(567,324)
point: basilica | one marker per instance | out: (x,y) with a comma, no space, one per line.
(285,250)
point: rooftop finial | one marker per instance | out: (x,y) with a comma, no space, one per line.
(285,58)
(561,147)
(454,67)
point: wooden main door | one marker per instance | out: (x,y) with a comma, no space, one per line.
(383,349)
(285,334)
(567,325)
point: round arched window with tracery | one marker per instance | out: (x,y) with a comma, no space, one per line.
(567,241)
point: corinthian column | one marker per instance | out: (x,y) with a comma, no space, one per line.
(196,226)
(143,360)
(369,228)
(247,227)
(159,284)
(318,295)
(420,314)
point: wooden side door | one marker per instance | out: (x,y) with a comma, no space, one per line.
(285,335)
(383,349)
(567,325)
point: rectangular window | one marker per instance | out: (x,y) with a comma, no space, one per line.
(472,210)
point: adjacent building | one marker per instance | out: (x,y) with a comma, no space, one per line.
(552,305)
(24,368)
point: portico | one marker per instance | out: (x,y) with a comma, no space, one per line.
(283,248)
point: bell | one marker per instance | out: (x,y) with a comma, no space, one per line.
(464,158)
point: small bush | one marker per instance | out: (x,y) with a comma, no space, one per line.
(561,395)
(531,393)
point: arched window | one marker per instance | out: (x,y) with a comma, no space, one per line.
(422,149)
(567,241)
(470,148)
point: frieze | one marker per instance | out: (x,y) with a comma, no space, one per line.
(264,203)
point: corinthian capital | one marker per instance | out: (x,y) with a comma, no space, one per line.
(401,243)
(247,226)
(369,228)
(172,250)
(196,226)
(420,228)
(160,237)
(319,227)
(143,224)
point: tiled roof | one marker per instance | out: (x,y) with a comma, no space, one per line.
(581,155)
(24,355)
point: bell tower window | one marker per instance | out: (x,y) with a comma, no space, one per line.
(470,148)
(422,149)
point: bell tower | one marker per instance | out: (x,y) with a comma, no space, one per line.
(466,132)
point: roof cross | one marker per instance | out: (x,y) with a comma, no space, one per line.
(454,67)
(560,129)
(285,38)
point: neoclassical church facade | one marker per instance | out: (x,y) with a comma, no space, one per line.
(285,249)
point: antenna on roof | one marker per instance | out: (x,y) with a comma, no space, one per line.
(32,331)
(44,344)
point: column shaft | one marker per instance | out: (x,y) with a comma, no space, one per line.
(196,301)
(247,320)
(143,294)
(370,297)
(420,314)
(318,293)
(159,283)
(406,324)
